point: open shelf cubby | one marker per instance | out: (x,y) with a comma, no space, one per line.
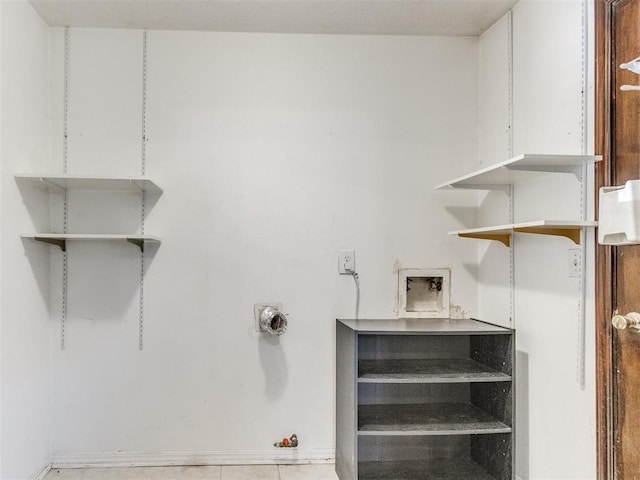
(455,457)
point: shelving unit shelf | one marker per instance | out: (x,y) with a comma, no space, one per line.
(60,239)
(427,419)
(424,398)
(438,370)
(571,229)
(520,168)
(59,183)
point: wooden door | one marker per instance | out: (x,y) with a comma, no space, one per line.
(617,268)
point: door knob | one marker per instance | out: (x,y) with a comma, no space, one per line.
(631,320)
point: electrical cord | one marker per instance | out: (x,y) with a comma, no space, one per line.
(356,279)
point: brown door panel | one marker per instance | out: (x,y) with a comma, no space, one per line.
(618,268)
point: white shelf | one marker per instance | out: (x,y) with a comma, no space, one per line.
(571,229)
(76,182)
(522,167)
(60,239)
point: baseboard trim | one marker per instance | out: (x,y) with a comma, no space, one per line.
(289,456)
(42,472)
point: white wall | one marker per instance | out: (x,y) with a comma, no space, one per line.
(25,147)
(495,298)
(1,177)
(274,151)
(555,417)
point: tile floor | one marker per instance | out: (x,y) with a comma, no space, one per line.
(226,472)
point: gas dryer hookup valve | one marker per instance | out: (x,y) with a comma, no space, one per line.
(290,442)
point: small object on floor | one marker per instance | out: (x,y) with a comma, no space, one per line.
(287,442)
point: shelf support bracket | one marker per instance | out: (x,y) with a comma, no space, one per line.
(573,234)
(503,188)
(575,170)
(137,242)
(49,185)
(503,238)
(58,242)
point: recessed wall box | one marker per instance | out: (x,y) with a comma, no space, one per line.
(423,293)
(619,214)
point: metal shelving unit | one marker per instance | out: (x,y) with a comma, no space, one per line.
(424,398)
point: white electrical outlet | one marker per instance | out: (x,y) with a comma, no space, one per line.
(575,262)
(346,262)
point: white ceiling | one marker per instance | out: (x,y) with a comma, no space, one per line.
(364,17)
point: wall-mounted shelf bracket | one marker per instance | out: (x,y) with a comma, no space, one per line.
(489,186)
(138,242)
(572,233)
(58,242)
(500,233)
(503,238)
(573,169)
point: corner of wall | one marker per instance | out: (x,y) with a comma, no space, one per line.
(25,396)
